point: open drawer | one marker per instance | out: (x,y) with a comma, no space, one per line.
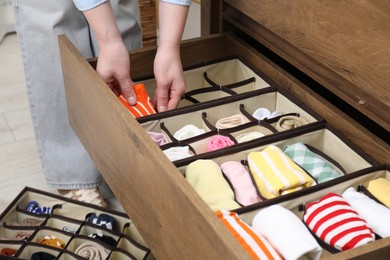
(173,219)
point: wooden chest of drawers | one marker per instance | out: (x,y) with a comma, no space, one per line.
(330,56)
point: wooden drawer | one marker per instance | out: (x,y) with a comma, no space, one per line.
(170,215)
(172,218)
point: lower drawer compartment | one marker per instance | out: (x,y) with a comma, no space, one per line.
(39,224)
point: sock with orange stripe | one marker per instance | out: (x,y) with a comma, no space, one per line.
(144,106)
(256,245)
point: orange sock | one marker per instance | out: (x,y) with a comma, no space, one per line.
(144,106)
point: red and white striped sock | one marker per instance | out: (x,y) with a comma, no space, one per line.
(334,221)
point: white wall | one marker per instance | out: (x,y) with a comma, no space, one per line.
(192,29)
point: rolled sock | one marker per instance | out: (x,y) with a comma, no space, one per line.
(239,177)
(218,142)
(8,251)
(286,232)
(188,131)
(335,222)
(318,168)
(276,174)
(231,121)
(92,250)
(206,178)
(52,241)
(256,245)
(248,136)
(42,256)
(105,239)
(158,138)
(290,122)
(177,153)
(261,113)
(380,189)
(32,205)
(144,106)
(103,220)
(375,214)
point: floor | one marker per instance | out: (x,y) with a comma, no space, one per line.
(20,165)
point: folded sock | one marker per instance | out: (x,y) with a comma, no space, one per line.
(263,113)
(177,153)
(290,122)
(52,241)
(231,121)
(158,138)
(380,189)
(8,251)
(248,136)
(92,250)
(188,131)
(34,207)
(42,256)
(206,178)
(239,177)
(335,222)
(256,245)
(276,174)
(286,232)
(319,169)
(105,239)
(144,106)
(103,220)
(375,214)
(217,142)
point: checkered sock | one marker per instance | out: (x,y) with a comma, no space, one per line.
(319,168)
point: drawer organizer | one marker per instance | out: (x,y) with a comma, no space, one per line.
(265,111)
(207,171)
(67,229)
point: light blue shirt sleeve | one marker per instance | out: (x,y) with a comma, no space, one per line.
(84,5)
(178,2)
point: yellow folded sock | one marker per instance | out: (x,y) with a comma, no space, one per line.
(207,179)
(380,188)
(276,174)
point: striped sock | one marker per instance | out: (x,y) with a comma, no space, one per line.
(144,106)
(256,245)
(334,221)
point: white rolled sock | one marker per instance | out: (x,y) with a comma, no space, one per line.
(375,214)
(286,232)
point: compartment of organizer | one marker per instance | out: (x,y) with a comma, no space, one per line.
(279,219)
(216,79)
(37,251)
(9,248)
(234,118)
(62,231)
(267,171)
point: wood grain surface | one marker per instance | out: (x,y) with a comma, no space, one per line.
(344,45)
(170,215)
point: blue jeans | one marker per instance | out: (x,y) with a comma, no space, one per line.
(66,164)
